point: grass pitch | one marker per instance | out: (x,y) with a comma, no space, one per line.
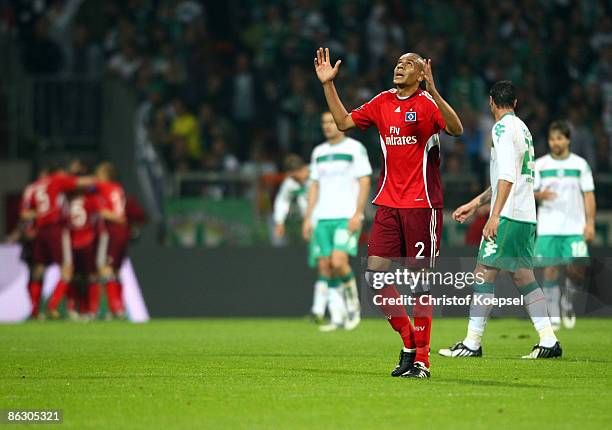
(283,373)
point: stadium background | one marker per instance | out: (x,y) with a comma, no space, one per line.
(198,102)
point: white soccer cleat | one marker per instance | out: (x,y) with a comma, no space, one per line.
(352,323)
(326,328)
(460,350)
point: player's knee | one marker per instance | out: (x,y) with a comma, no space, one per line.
(324,266)
(67,272)
(106,271)
(375,279)
(551,273)
(37,272)
(575,273)
(339,261)
(523,277)
(378,263)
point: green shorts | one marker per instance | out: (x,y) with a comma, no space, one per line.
(330,235)
(512,248)
(553,250)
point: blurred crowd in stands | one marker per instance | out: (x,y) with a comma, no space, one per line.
(229,86)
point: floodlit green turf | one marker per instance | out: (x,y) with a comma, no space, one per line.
(223,373)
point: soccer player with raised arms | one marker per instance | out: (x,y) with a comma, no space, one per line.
(408,221)
(508,236)
(566,220)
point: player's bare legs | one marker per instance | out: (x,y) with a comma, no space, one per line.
(481,307)
(552,291)
(337,307)
(109,277)
(575,275)
(396,314)
(35,289)
(61,289)
(342,270)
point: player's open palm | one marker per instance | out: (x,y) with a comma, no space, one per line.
(323,67)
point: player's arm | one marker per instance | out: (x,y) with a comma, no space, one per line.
(282,204)
(356,220)
(453,123)
(27,214)
(507,175)
(462,213)
(503,191)
(589,209)
(587,186)
(326,74)
(112,216)
(545,194)
(313,196)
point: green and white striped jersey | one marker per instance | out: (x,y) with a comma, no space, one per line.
(512,159)
(569,178)
(337,167)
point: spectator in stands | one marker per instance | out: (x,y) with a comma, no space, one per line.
(86,57)
(219,159)
(185,128)
(125,63)
(42,55)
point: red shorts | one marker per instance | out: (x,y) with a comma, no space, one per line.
(51,245)
(84,259)
(410,234)
(112,247)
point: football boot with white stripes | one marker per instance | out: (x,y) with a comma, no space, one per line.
(460,350)
(418,370)
(545,352)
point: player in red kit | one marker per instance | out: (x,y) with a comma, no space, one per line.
(52,242)
(27,234)
(115,236)
(408,221)
(83,223)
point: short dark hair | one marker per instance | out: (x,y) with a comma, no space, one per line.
(503,94)
(293,162)
(562,127)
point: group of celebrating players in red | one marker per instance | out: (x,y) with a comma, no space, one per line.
(79,222)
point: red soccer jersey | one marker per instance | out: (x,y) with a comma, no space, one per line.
(409,137)
(112,198)
(48,198)
(83,219)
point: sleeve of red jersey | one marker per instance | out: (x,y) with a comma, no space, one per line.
(365,115)
(68,182)
(438,119)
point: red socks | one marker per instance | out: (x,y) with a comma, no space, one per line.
(94,298)
(397,316)
(422,328)
(113,292)
(35,291)
(58,295)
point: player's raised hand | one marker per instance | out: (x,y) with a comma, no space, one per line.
(428,76)
(323,67)
(465,211)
